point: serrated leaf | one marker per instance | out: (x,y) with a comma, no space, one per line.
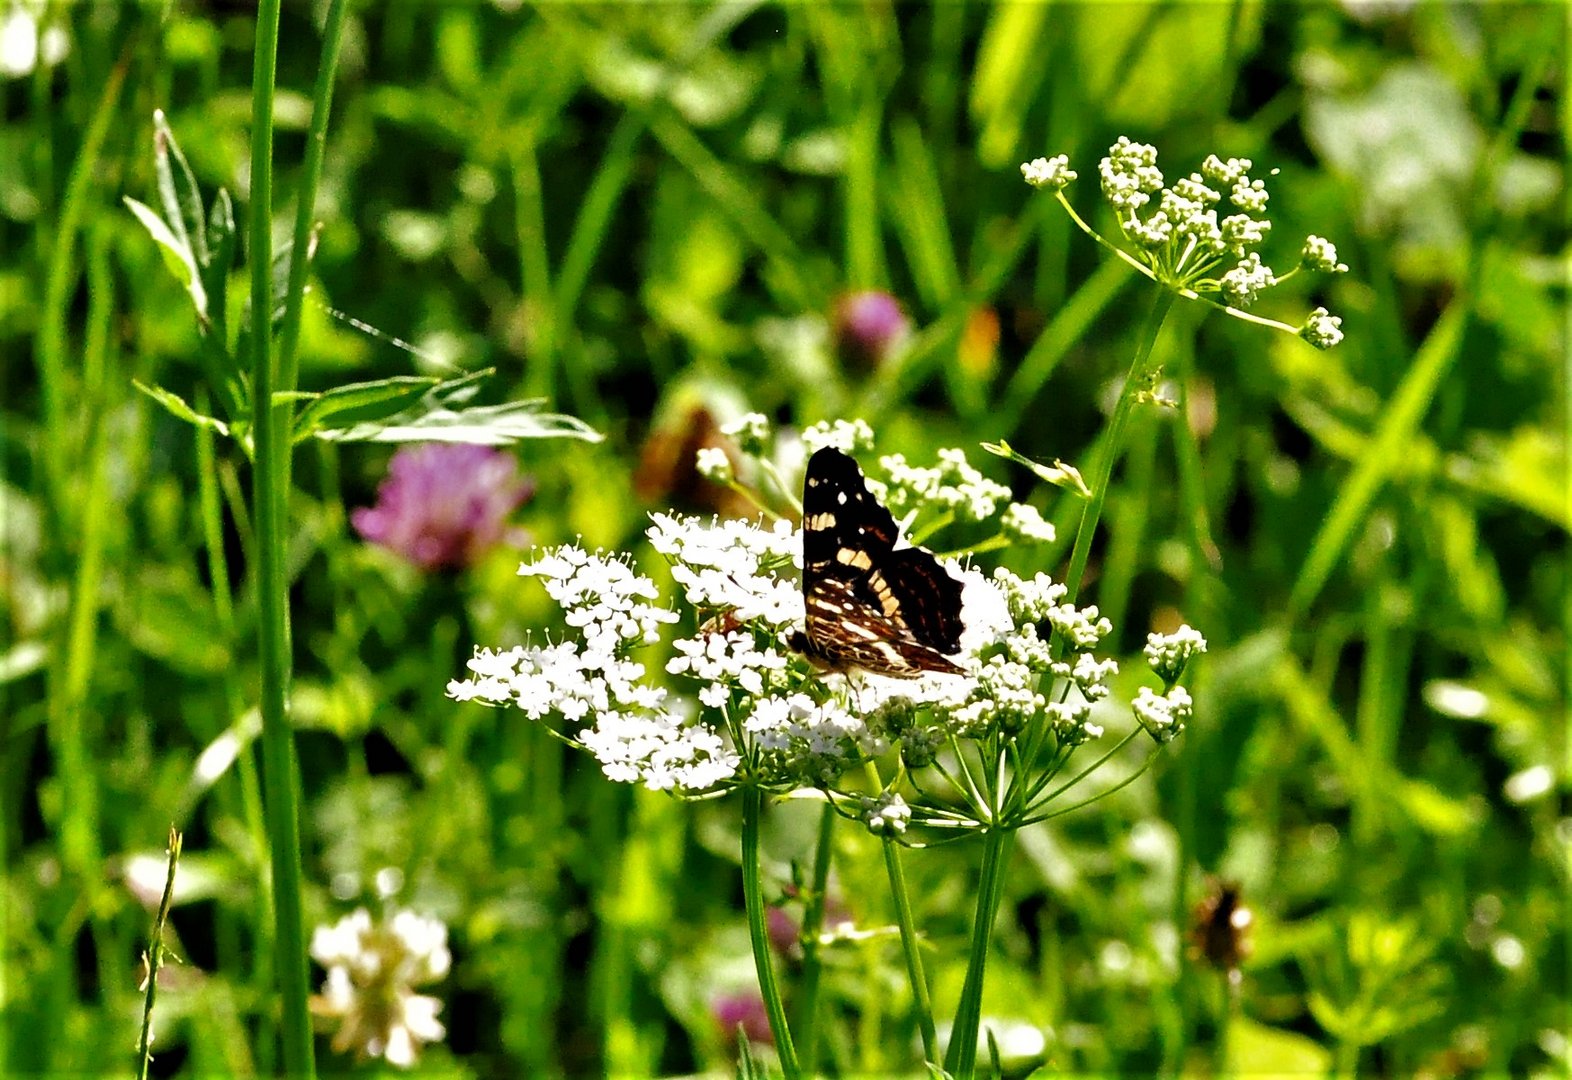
(177,254)
(177,188)
(178,407)
(359,403)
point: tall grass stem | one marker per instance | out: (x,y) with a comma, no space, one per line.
(269,498)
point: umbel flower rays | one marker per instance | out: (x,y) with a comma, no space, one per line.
(733,705)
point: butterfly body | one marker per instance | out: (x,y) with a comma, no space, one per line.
(869,605)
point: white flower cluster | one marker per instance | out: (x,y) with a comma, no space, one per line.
(847,436)
(372,969)
(634,731)
(1168,654)
(752,432)
(1051,173)
(885,813)
(1321,254)
(1130,175)
(1071,722)
(1244,282)
(1023,523)
(1162,715)
(1177,234)
(714,464)
(951,485)
(734,566)
(1322,329)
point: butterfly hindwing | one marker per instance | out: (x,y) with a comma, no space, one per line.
(870,605)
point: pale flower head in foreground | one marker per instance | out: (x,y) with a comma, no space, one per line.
(372,970)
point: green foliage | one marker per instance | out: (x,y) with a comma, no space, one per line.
(631,215)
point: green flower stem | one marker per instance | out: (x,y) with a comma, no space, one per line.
(1126,782)
(961,1058)
(753,897)
(911,946)
(1113,445)
(269,489)
(812,924)
(1083,774)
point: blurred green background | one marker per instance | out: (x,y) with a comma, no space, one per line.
(645,215)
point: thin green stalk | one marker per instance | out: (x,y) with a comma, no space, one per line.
(1113,445)
(961,1058)
(911,947)
(154,958)
(269,478)
(758,933)
(812,925)
(305,206)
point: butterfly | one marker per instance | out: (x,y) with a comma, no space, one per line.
(869,604)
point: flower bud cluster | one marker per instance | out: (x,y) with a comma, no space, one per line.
(885,814)
(1168,654)
(751,432)
(1051,173)
(1163,715)
(714,464)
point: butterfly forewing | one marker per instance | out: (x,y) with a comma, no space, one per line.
(868,604)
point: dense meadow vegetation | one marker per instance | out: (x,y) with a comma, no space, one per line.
(575,265)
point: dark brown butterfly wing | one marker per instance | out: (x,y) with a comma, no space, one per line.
(868,604)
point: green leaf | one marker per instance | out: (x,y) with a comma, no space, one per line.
(485,425)
(434,419)
(215,274)
(177,254)
(177,405)
(177,188)
(359,403)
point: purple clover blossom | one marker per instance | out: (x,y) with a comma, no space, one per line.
(445,504)
(868,327)
(745,1008)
